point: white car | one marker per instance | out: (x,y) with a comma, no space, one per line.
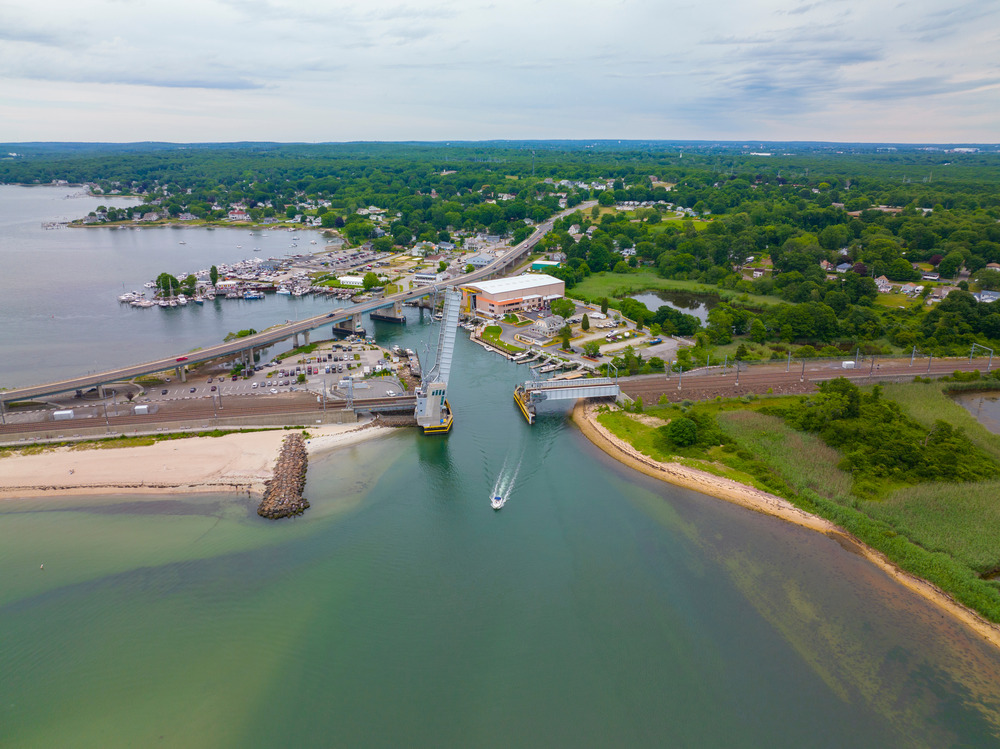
(254,385)
(274,390)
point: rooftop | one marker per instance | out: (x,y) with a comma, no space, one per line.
(515,283)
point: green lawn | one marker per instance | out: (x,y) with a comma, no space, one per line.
(491,334)
(617,285)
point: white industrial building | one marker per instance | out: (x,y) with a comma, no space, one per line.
(525,293)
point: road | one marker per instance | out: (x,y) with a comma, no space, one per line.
(205,409)
(276,334)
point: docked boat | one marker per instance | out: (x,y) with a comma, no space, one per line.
(497,502)
(181,299)
(283,290)
(199,300)
(253,295)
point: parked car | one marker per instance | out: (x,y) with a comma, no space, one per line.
(192,390)
(213,388)
(163,392)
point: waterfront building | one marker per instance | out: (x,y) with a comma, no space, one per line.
(525,293)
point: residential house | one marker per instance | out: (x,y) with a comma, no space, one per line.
(884,284)
(550,325)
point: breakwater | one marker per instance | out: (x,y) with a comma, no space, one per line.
(283,495)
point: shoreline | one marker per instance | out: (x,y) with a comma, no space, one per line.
(751,498)
(233,463)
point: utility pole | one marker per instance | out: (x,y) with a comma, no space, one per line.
(680,378)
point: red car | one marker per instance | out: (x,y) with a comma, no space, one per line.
(182,358)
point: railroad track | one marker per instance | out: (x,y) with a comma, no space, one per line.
(707,384)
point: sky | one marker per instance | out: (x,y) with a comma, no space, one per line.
(327,70)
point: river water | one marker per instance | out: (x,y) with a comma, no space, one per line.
(598,608)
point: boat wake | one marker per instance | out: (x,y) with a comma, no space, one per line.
(504,484)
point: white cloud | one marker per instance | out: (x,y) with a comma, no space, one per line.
(215,70)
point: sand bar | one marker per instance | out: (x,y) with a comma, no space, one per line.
(235,462)
(585,416)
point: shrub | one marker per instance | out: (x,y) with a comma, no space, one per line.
(682,431)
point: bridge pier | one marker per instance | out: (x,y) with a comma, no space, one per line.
(350,326)
(395,314)
(305,334)
(295,340)
(181,373)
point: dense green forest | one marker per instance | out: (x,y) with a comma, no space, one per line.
(704,213)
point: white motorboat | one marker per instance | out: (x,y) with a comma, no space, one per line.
(283,290)
(497,502)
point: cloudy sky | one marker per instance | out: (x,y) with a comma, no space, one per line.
(327,70)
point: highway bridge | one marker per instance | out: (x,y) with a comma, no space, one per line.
(348,317)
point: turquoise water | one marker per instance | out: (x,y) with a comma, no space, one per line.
(598,608)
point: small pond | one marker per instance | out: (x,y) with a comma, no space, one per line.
(984,406)
(683,301)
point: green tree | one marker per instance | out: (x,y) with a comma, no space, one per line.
(167,284)
(213,275)
(758,333)
(189,284)
(565,334)
(592,349)
(370,281)
(949,266)
(606,198)
(682,431)
(585,322)
(442,266)
(604,305)
(562,307)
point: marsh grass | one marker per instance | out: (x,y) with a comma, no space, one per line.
(925,402)
(802,460)
(962,520)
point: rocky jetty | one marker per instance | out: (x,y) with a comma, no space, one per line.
(283,495)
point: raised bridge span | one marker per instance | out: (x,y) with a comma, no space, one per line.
(528,395)
(245,346)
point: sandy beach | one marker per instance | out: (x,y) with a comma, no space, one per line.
(235,462)
(585,417)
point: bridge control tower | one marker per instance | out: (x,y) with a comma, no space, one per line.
(433,412)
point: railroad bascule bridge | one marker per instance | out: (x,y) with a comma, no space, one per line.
(530,394)
(433,413)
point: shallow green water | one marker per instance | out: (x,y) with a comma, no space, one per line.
(598,608)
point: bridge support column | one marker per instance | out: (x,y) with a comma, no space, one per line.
(295,340)
(182,373)
(356,322)
(305,334)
